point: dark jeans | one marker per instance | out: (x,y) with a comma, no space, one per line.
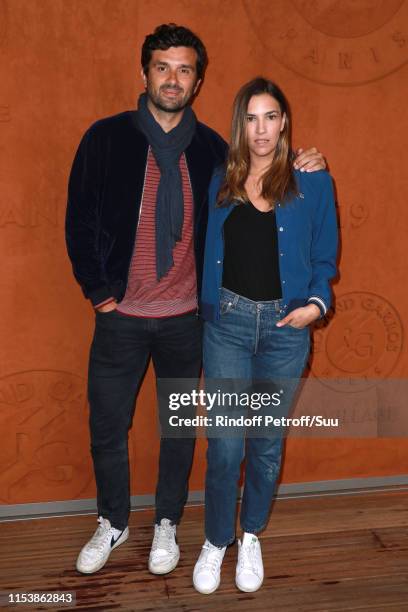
(119,355)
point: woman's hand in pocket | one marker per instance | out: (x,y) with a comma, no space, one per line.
(300,317)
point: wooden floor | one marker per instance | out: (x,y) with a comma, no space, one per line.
(320,554)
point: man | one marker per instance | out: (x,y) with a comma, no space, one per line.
(135,226)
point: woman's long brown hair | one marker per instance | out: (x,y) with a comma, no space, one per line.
(278,181)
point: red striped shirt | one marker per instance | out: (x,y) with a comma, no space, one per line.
(176,292)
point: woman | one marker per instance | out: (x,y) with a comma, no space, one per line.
(271,246)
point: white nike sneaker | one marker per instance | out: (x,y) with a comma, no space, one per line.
(95,553)
(249,574)
(165,553)
(207,570)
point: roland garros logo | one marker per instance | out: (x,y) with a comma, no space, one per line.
(43,416)
(363,341)
(334,42)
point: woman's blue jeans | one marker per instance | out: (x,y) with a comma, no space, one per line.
(246,344)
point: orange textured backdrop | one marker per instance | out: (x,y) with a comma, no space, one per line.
(66,63)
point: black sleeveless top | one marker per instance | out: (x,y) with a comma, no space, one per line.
(251,266)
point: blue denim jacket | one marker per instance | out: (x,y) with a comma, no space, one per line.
(307,242)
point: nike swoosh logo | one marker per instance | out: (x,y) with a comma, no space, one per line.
(113,541)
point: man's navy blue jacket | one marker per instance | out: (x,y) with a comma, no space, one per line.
(104,197)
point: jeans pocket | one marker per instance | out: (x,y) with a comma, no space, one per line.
(106,313)
(298,329)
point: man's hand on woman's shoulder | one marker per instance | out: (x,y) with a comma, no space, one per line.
(309,160)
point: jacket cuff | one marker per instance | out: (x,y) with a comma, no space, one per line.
(315,299)
(100,295)
(108,301)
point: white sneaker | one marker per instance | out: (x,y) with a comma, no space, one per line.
(207,570)
(95,553)
(249,574)
(165,553)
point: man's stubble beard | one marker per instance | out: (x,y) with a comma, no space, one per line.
(158,103)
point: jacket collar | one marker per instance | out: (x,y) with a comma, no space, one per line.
(200,166)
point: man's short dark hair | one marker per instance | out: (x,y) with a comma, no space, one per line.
(171,35)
